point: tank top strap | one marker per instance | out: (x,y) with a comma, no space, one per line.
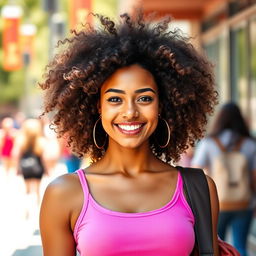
(83,182)
(179,183)
(85,188)
(180,189)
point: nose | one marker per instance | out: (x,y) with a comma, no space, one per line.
(130,111)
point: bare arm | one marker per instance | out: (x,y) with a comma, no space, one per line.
(215,213)
(56,233)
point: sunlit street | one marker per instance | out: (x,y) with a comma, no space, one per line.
(19,233)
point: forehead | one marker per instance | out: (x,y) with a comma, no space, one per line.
(130,78)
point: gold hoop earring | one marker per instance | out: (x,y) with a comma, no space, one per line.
(94,135)
(168,133)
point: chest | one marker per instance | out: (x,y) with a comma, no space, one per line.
(133,195)
(166,232)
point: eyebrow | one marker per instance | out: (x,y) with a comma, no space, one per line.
(137,91)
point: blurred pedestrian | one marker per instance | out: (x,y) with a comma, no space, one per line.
(71,161)
(19,118)
(52,152)
(7,137)
(186,157)
(29,150)
(131,95)
(229,156)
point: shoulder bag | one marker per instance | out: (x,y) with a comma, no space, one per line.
(197,193)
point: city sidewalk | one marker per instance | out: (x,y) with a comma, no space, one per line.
(19,232)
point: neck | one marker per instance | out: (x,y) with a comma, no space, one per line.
(129,161)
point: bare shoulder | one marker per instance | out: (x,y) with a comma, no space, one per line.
(62,197)
(63,186)
(62,192)
(55,215)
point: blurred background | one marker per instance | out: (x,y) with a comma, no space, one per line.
(224,30)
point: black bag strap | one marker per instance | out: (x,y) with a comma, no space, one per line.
(198,197)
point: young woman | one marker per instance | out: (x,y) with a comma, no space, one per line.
(133,96)
(231,132)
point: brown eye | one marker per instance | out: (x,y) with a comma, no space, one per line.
(114,99)
(145,99)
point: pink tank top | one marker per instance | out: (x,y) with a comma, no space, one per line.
(166,231)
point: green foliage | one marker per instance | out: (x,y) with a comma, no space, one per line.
(12,90)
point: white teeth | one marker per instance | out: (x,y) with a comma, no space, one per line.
(130,127)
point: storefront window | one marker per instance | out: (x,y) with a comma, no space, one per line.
(239,67)
(233,53)
(217,52)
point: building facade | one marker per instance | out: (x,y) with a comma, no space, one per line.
(229,39)
(226,31)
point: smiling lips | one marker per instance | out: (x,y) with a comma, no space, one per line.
(131,128)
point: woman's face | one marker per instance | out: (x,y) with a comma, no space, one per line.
(129,106)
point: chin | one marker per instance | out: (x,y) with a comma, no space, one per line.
(131,145)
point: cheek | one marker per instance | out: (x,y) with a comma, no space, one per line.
(155,114)
(153,111)
(106,110)
(154,126)
(108,115)
(152,116)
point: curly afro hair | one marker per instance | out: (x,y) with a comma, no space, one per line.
(74,78)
